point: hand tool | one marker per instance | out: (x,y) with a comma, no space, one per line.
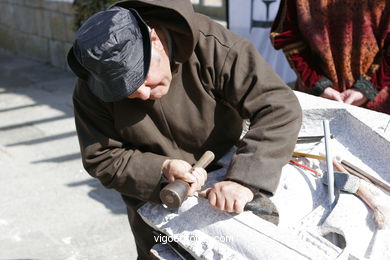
(263,207)
(316,174)
(308,155)
(364,175)
(260,206)
(173,194)
(329,163)
(311,139)
(367,193)
(176,192)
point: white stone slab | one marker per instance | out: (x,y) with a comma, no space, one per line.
(362,138)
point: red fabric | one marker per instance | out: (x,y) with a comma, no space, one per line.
(381,103)
(285,39)
(301,61)
(304,50)
(381,78)
(303,64)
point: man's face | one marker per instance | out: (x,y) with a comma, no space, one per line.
(159,76)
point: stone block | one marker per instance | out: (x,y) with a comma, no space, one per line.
(8,16)
(7,39)
(58,26)
(35,3)
(24,19)
(51,5)
(3,8)
(37,48)
(46,27)
(18,2)
(20,42)
(66,7)
(57,53)
(39,23)
(70,28)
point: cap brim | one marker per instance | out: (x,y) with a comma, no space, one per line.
(147,44)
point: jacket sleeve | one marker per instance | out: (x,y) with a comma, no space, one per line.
(250,86)
(106,157)
(285,35)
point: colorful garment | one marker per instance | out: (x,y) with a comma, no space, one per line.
(337,43)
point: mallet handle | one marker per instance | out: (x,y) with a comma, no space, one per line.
(176,192)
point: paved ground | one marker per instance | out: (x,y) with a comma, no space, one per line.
(50,208)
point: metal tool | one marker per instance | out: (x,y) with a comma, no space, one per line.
(176,192)
(329,162)
(263,207)
(311,139)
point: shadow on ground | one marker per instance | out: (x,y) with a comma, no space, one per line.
(109,198)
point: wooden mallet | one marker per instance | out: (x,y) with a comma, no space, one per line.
(176,192)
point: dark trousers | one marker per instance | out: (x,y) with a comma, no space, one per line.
(143,233)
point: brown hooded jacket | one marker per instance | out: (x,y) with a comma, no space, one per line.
(219,79)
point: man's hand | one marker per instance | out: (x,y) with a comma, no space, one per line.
(353,97)
(174,169)
(229,196)
(332,94)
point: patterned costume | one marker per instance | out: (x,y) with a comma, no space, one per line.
(337,43)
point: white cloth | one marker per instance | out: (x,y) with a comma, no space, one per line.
(240,23)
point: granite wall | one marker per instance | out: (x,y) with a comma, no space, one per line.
(44,29)
(39,29)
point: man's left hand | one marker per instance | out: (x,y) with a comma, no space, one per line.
(228,196)
(353,97)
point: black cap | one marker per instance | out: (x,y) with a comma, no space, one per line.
(112,51)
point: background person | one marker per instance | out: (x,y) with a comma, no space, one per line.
(340,49)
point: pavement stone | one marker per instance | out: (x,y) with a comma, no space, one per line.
(50,207)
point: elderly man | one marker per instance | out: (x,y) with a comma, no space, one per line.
(159,85)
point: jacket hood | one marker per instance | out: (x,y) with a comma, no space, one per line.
(176,16)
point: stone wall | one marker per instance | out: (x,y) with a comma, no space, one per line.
(44,29)
(39,29)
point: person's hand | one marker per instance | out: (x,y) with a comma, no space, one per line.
(229,196)
(353,97)
(174,169)
(332,94)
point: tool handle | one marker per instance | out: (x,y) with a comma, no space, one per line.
(205,160)
(376,202)
(365,175)
(176,192)
(338,166)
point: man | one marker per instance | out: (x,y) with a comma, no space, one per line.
(339,49)
(152,98)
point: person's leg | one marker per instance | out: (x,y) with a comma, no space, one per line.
(143,233)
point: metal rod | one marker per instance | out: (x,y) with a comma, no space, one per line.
(329,166)
(329,162)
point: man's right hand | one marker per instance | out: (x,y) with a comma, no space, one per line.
(174,169)
(332,94)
